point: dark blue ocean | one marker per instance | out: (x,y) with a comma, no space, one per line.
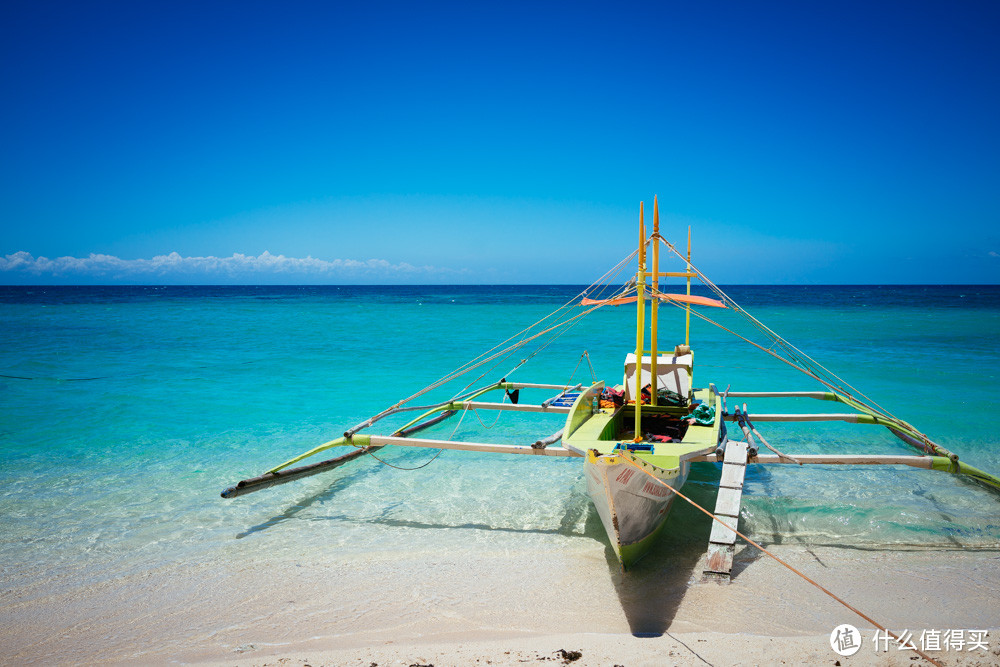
(126,410)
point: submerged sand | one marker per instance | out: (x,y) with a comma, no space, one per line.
(516,607)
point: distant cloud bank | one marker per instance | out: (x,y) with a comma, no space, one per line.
(237,268)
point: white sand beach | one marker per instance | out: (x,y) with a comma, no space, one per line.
(516,607)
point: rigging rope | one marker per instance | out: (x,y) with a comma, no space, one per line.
(779,560)
(801,357)
(499,412)
(593,375)
(422,465)
(799,360)
(577,367)
(506,352)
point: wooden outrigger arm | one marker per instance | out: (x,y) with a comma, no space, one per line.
(370,443)
(396,409)
(367,444)
(936,458)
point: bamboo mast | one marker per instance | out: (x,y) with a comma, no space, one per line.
(655,301)
(687,328)
(640,287)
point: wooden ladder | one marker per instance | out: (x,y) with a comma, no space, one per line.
(722,542)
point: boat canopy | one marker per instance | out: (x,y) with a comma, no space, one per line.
(673,372)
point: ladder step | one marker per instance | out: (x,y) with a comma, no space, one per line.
(722,541)
(722,534)
(719,563)
(728,502)
(732,474)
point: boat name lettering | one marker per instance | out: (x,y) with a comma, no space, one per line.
(654,490)
(624,476)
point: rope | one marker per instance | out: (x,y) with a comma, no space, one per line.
(593,377)
(754,430)
(503,354)
(423,465)
(499,412)
(780,454)
(575,369)
(832,595)
(475,363)
(832,380)
(573,319)
(929,446)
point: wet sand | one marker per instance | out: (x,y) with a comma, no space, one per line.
(513,607)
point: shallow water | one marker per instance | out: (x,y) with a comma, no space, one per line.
(126,410)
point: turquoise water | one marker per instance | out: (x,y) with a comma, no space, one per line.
(126,410)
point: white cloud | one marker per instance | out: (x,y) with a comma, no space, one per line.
(265,266)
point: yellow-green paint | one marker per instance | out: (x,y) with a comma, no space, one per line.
(639,323)
(315,450)
(629,554)
(580,412)
(687,325)
(454,405)
(655,302)
(600,432)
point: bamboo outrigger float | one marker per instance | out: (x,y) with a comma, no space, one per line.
(639,439)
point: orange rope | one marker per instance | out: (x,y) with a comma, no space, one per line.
(841,601)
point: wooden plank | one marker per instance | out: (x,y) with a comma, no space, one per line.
(719,562)
(734,464)
(820,417)
(722,541)
(780,394)
(514,407)
(724,534)
(381,440)
(834,459)
(728,502)
(529,385)
(732,476)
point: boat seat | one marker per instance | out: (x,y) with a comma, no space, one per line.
(673,372)
(566,400)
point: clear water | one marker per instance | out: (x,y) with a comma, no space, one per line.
(126,410)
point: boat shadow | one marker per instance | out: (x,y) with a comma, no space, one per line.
(575,508)
(649,593)
(652,590)
(355,475)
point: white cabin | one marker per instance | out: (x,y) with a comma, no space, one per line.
(673,372)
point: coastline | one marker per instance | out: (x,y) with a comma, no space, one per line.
(505,608)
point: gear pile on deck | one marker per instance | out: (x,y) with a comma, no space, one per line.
(638,439)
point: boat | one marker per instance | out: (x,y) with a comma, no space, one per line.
(638,438)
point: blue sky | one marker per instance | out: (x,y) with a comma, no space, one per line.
(374,142)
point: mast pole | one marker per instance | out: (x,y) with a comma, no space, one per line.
(655,301)
(640,287)
(687,328)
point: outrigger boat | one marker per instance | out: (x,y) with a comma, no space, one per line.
(639,439)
